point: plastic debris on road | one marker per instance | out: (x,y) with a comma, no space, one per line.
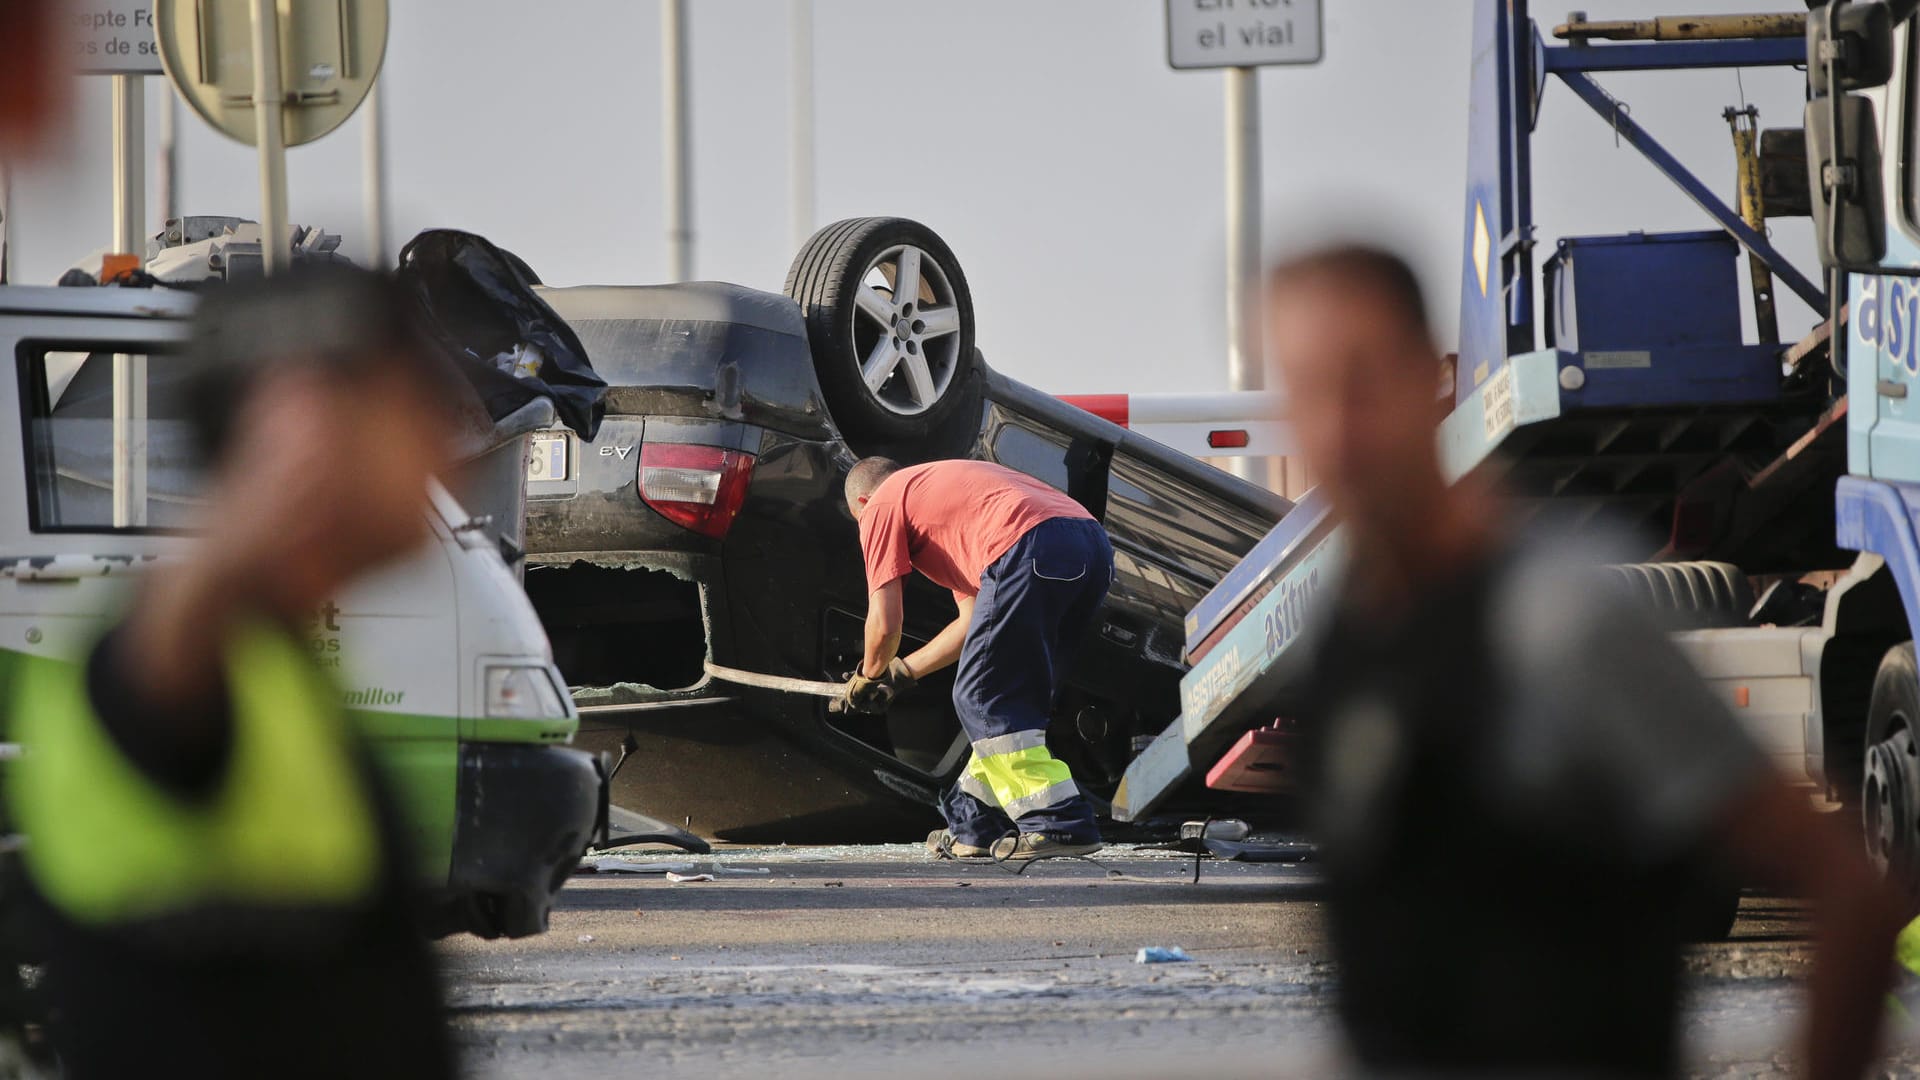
(1215,829)
(674,871)
(614,864)
(1156,954)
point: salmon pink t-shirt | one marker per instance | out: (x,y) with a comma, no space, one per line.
(951,519)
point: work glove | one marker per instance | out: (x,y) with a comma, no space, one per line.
(899,677)
(868,695)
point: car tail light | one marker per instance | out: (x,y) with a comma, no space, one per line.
(698,487)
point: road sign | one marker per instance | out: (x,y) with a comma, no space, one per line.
(1242,33)
(330,51)
(113,37)
(274,74)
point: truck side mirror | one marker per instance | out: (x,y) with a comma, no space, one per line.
(1843,173)
(1852,40)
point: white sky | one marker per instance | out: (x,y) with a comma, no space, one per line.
(1077,178)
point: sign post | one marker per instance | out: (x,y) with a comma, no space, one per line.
(129,164)
(800,156)
(1243,239)
(676,150)
(1242,36)
(129,371)
(115,38)
(270,136)
(373,179)
(166,159)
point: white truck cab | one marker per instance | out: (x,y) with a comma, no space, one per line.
(440,657)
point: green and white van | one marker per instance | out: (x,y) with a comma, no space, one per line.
(441,658)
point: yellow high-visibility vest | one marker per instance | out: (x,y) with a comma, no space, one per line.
(290,824)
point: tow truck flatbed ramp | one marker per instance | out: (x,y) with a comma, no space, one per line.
(1244,644)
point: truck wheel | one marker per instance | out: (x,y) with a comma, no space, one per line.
(1688,595)
(1890,789)
(890,323)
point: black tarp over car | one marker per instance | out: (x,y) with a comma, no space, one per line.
(480,303)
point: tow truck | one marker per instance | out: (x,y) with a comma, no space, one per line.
(1609,376)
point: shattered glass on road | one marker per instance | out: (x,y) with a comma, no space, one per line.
(871,961)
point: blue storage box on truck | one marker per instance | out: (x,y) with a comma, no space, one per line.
(1651,319)
(1643,290)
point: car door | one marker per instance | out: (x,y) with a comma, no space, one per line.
(77,519)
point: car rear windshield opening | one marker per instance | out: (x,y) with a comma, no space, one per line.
(614,625)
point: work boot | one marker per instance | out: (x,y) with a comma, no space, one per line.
(940,843)
(1038,845)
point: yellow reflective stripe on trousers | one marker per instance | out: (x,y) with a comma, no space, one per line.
(1020,781)
(1905,994)
(1906,947)
(291,823)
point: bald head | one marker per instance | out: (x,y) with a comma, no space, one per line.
(865,478)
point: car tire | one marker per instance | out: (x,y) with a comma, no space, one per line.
(1890,786)
(891,366)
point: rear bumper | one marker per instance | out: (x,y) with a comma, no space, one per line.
(525,813)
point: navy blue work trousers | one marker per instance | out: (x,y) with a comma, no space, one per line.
(1036,602)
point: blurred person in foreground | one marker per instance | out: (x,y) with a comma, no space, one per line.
(35,81)
(35,77)
(224,884)
(1517,781)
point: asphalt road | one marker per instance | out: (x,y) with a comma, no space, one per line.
(855,962)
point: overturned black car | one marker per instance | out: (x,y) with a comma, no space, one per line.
(705,521)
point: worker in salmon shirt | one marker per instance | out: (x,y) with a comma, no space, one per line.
(1027,567)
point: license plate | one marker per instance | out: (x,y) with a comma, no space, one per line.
(547,457)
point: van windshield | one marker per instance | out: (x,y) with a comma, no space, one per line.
(77,480)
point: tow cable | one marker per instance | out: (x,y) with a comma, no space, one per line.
(783,683)
(817,688)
